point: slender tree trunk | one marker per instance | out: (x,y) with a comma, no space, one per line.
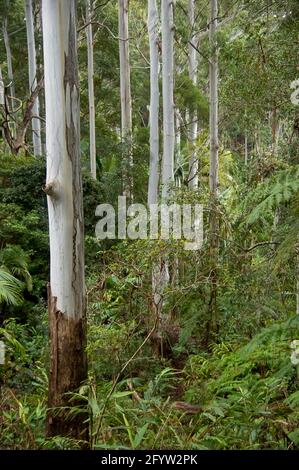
(274,124)
(125,96)
(214,150)
(9,69)
(153,184)
(9,58)
(168,103)
(246,148)
(2,103)
(92,128)
(178,156)
(2,94)
(66,294)
(35,122)
(153,32)
(193,126)
(297,275)
(161,271)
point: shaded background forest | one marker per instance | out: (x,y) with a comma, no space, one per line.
(241,390)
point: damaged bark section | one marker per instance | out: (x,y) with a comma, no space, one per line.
(68,367)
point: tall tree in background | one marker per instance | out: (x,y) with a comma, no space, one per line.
(154,170)
(35,122)
(11,125)
(213,177)
(2,102)
(8,56)
(66,293)
(90,72)
(161,271)
(2,91)
(125,95)
(168,102)
(153,32)
(193,122)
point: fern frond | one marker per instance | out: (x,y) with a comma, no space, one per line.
(10,288)
(274,194)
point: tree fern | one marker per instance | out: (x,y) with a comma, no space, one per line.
(268,196)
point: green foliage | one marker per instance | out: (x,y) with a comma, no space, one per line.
(238,393)
(272,194)
(10,288)
(253,387)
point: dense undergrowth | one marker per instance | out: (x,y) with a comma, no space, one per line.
(236,397)
(240,392)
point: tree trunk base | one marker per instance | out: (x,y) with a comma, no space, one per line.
(68,369)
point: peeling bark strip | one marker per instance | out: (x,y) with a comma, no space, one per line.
(68,366)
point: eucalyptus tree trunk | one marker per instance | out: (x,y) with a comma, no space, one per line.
(125,95)
(212,328)
(193,126)
(153,182)
(246,148)
(35,122)
(153,33)
(9,57)
(297,275)
(2,91)
(66,292)
(178,156)
(90,71)
(2,103)
(168,103)
(12,93)
(167,177)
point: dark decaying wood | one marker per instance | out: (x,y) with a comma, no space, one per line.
(68,369)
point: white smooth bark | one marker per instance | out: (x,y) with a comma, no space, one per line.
(193,126)
(212,326)
(64,188)
(246,148)
(2,102)
(2,95)
(178,156)
(35,122)
(213,75)
(125,92)
(168,103)
(9,59)
(153,33)
(90,65)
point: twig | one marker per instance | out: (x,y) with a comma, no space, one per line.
(260,244)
